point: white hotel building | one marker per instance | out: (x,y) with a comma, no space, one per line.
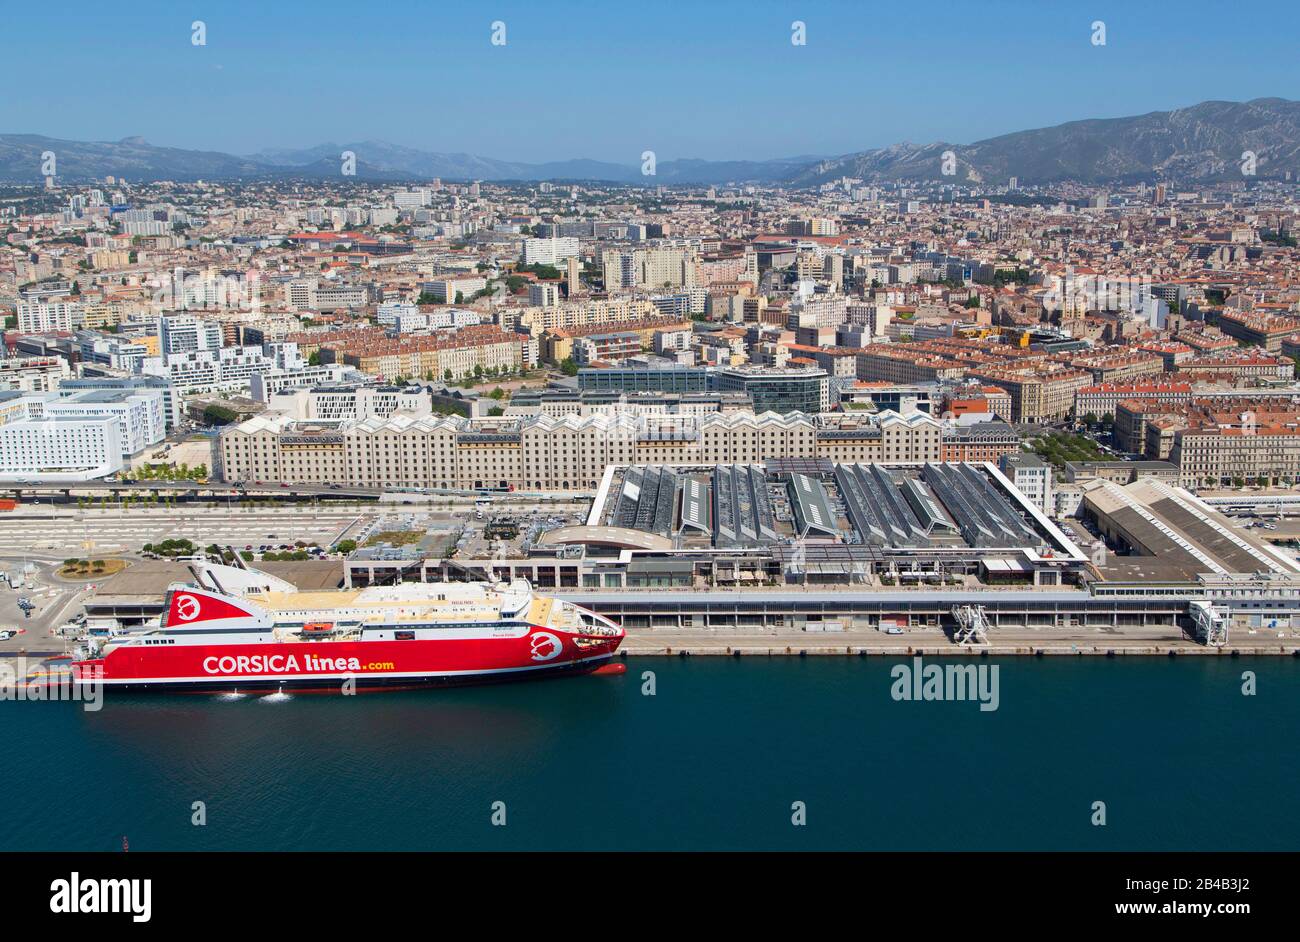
(60,450)
(139,412)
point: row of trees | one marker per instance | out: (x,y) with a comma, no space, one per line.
(170,472)
(127,501)
(171,548)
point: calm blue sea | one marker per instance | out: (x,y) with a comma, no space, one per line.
(714,760)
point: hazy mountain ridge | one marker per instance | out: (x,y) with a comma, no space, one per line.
(1202,142)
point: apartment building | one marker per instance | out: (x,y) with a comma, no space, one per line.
(1103,398)
(1032,476)
(543,294)
(628,340)
(42,317)
(550,251)
(1223,448)
(1038,395)
(1240,366)
(658,267)
(454,290)
(881,363)
(180,334)
(1258,329)
(979,441)
(33,374)
(262,386)
(586,312)
(455,353)
(338,403)
(1119,367)
(208,370)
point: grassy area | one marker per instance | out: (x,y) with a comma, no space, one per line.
(90,568)
(396,537)
(1060,447)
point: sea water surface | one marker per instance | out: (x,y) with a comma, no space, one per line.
(717,758)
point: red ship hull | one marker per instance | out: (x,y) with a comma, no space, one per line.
(328,665)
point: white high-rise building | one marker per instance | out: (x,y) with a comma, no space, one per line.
(549,251)
(179,334)
(40,317)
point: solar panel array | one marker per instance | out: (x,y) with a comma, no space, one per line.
(983,515)
(625,513)
(877,511)
(742,512)
(927,509)
(647,501)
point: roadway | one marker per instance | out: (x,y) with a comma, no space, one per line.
(55,601)
(31,490)
(64,532)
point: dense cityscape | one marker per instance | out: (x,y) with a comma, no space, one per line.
(712,385)
(741,428)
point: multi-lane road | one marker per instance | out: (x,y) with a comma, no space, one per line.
(60,531)
(65,532)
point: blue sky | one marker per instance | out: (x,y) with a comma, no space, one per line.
(714,79)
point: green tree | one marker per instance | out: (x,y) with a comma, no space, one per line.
(568,367)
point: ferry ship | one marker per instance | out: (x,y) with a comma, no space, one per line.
(236,628)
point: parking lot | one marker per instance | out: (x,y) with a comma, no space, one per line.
(52,603)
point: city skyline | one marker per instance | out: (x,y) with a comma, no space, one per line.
(566,87)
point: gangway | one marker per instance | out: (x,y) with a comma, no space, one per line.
(1209,626)
(972,624)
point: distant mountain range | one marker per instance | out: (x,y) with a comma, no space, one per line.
(1203,142)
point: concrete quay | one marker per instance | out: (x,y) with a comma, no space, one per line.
(722,643)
